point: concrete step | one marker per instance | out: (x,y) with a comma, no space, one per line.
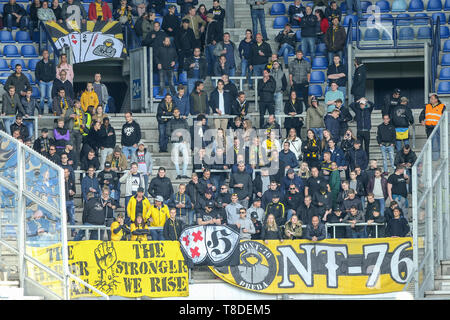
(437,294)
(445,267)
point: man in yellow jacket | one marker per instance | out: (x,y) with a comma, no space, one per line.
(138,205)
(119,230)
(159,213)
(89,97)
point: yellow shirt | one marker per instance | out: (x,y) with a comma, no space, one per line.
(116,236)
(141,237)
(98,9)
(89,99)
(159,216)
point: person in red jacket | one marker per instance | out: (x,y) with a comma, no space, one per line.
(99,11)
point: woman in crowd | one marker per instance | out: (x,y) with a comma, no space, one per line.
(326,138)
(293,107)
(311,148)
(304,172)
(270,230)
(324,23)
(99,115)
(64,65)
(293,228)
(139,230)
(295,143)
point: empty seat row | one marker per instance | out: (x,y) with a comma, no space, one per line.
(402,6)
(402,19)
(31,64)
(26,51)
(21,37)
(405,33)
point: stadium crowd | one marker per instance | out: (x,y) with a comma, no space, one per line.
(270,186)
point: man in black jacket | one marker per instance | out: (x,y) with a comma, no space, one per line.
(359,80)
(242,185)
(155,38)
(165,109)
(266,91)
(218,13)
(259,55)
(337,72)
(62,82)
(131,135)
(185,43)
(214,34)
(110,179)
(171,22)
(177,129)
(196,68)
(335,38)
(165,58)
(310,28)
(173,227)
(306,210)
(19,125)
(18,80)
(93,214)
(240,105)
(43,143)
(386,140)
(363,111)
(161,185)
(45,75)
(108,142)
(390,102)
(402,118)
(220,104)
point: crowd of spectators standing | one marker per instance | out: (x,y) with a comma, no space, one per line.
(327,176)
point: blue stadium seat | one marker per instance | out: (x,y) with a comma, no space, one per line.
(444,32)
(319,63)
(364,22)
(29,76)
(441,16)
(434,5)
(274,0)
(420,19)
(280,22)
(4,75)
(86,7)
(406,33)
(321,50)
(445,61)
(354,34)
(446,47)
(387,35)
(347,19)
(444,88)
(298,35)
(365,5)
(371,34)
(159,19)
(387,18)
(399,6)
(4,65)
(183,78)
(415,6)
(156,93)
(318,77)
(10,51)
(403,22)
(447,5)
(14,62)
(6,37)
(23,37)
(444,74)
(424,33)
(278,9)
(29,51)
(32,64)
(343,7)
(383,5)
(35,94)
(315,90)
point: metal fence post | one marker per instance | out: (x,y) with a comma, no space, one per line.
(429,212)
(21,214)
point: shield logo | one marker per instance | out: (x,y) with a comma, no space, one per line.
(221,242)
(192,241)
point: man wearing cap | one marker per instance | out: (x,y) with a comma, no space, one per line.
(110,179)
(209,215)
(257,224)
(223,198)
(232,209)
(292,179)
(391,101)
(138,205)
(201,202)
(159,213)
(245,225)
(145,162)
(242,185)
(322,201)
(181,202)
(276,208)
(363,116)
(161,185)
(314,117)
(173,226)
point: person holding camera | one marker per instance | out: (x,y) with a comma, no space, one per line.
(109,205)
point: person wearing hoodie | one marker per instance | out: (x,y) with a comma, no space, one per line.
(171,22)
(45,13)
(108,142)
(286,43)
(72,14)
(358,89)
(245,225)
(131,135)
(61,135)
(402,118)
(173,226)
(90,159)
(363,111)
(194,190)
(144,160)
(99,11)
(335,38)
(93,214)
(89,97)
(357,157)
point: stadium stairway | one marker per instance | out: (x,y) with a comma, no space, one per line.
(441,283)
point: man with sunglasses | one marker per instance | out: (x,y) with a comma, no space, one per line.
(292,200)
(245,225)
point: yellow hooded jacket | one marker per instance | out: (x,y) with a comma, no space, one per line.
(159,216)
(131,208)
(89,99)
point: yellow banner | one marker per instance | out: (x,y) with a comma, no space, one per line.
(334,266)
(120,268)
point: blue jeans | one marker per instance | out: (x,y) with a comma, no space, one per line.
(128,151)
(30,126)
(70,208)
(257,71)
(210,58)
(351,233)
(191,216)
(289,214)
(385,151)
(258,15)
(93,235)
(10,22)
(284,51)
(400,143)
(46,92)
(191,84)
(344,91)
(7,122)
(382,204)
(157,235)
(245,70)
(278,96)
(332,54)
(163,139)
(318,132)
(354,4)
(309,45)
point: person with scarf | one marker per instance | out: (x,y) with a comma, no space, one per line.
(61,103)
(293,107)
(78,124)
(173,227)
(311,149)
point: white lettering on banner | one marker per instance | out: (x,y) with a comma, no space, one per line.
(396,261)
(288,253)
(332,279)
(381,249)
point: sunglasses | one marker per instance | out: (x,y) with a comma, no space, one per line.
(291,188)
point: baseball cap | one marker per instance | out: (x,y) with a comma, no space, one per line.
(108,165)
(44,130)
(397,90)
(159,198)
(208,192)
(275,195)
(362,101)
(141,142)
(290,171)
(254,215)
(357,142)
(209,204)
(338,208)
(172,6)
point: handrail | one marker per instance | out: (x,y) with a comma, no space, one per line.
(394,26)
(75,278)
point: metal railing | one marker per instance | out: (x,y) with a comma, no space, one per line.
(436,49)
(430,209)
(99,229)
(35,119)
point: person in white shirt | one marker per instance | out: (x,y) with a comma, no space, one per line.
(220,104)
